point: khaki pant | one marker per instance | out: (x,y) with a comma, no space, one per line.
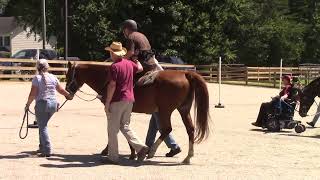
(154,61)
(119,119)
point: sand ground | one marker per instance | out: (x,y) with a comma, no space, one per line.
(234,150)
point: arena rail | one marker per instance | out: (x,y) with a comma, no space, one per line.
(260,76)
(24,69)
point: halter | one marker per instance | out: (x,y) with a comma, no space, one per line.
(73,80)
(75,83)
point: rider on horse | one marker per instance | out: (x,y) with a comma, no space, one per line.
(139,48)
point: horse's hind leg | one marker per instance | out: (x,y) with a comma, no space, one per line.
(187,121)
(164,128)
(105,151)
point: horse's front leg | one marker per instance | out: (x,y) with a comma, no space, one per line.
(133,153)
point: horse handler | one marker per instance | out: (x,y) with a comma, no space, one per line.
(119,103)
(43,89)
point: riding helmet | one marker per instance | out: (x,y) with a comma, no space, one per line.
(130,24)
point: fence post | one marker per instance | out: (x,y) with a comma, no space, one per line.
(308,76)
(258,75)
(246,78)
(269,74)
(274,79)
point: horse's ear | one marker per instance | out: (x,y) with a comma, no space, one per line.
(69,65)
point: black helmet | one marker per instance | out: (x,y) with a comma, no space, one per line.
(130,24)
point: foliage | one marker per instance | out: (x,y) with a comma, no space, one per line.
(253,32)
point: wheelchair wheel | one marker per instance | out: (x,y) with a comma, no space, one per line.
(273,125)
(299,128)
(291,125)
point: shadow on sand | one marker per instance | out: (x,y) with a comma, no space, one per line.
(267,131)
(93,160)
(303,136)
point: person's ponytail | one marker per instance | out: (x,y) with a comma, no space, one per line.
(41,72)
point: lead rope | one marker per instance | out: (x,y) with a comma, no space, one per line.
(88,100)
(26,119)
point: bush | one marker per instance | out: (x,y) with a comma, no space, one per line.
(4,54)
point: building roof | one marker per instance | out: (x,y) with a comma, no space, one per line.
(7,25)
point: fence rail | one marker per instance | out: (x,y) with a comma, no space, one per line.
(24,69)
(261,76)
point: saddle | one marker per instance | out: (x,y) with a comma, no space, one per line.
(151,75)
(148,78)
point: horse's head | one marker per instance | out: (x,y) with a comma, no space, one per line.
(307,95)
(72,77)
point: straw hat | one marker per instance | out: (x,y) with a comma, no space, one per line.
(42,64)
(117,49)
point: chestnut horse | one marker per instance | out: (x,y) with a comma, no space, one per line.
(170,90)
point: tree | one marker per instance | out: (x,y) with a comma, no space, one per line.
(3,4)
(254,32)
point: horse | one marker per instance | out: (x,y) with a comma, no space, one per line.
(171,89)
(307,95)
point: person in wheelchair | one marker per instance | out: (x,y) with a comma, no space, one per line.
(282,105)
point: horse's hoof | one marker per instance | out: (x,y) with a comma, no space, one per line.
(132,157)
(104,152)
(150,155)
(186,161)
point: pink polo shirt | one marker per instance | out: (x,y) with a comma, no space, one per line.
(122,73)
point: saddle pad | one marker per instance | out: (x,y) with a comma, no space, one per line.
(148,78)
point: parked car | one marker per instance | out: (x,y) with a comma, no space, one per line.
(34,54)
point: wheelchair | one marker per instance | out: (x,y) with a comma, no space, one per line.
(281,117)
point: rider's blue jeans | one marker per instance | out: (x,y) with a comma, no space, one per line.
(43,117)
(152,132)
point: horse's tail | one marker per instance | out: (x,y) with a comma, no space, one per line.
(201,105)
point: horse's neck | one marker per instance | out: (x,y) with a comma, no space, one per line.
(94,78)
(97,87)
(313,89)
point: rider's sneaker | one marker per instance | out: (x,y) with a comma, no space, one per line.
(311,124)
(173,152)
(256,124)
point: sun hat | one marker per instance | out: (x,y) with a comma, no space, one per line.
(117,49)
(42,64)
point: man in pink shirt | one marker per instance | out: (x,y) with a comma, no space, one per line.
(119,102)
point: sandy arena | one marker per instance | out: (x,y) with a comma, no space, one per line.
(234,149)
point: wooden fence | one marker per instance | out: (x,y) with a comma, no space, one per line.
(24,69)
(261,76)
(231,73)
